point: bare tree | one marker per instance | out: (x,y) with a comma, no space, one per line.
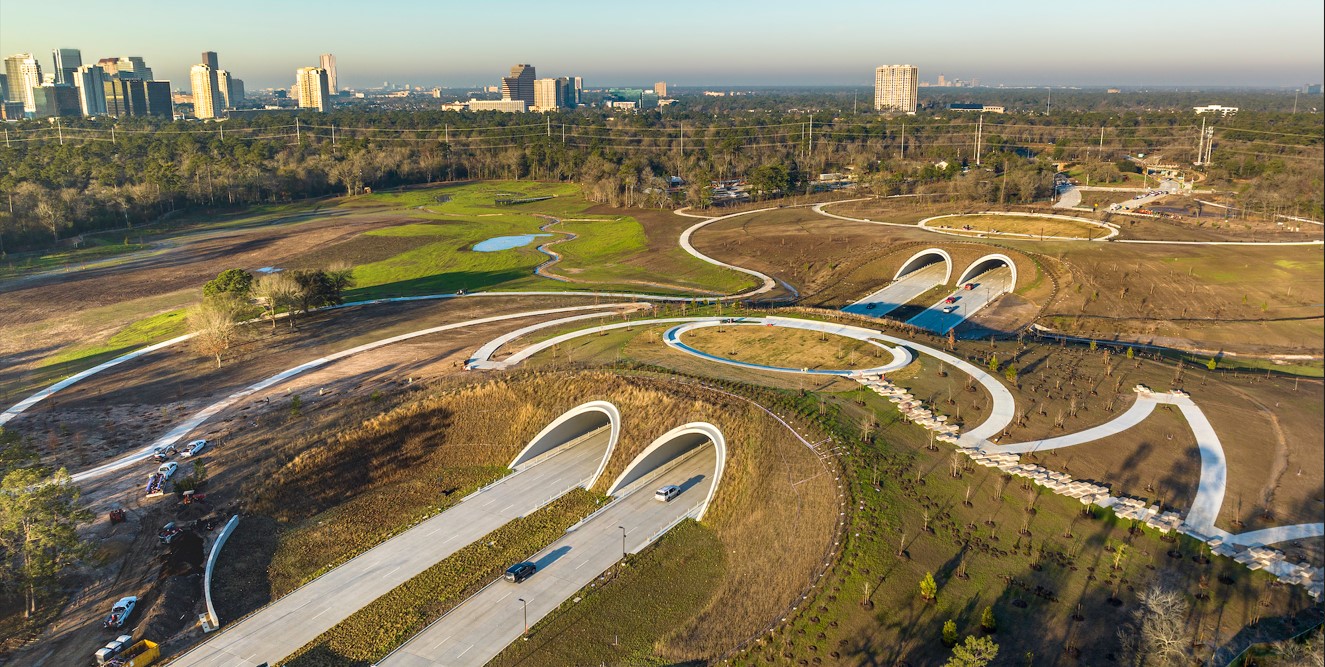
(273,292)
(215,323)
(1157,633)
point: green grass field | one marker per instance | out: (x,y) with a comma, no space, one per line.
(146,331)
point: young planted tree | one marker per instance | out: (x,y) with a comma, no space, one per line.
(988,622)
(949,633)
(234,282)
(974,652)
(929,589)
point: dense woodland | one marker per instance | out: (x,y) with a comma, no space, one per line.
(61,181)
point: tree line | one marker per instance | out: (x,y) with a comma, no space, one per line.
(89,175)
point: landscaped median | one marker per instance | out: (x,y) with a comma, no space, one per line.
(387,622)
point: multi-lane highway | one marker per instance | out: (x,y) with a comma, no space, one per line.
(900,292)
(988,286)
(284,626)
(477,630)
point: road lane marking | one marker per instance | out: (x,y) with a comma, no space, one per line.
(434,646)
(392,570)
(462,653)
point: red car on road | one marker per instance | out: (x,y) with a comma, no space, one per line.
(951,299)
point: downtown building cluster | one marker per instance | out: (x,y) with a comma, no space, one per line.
(121,86)
(524,91)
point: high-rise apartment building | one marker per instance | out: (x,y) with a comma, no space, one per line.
(660,88)
(895,88)
(577,88)
(232,89)
(91,83)
(327,62)
(207,102)
(67,61)
(314,91)
(520,84)
(553,94)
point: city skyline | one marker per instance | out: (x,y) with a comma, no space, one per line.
(1224,44)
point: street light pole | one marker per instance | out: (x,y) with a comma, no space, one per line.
(623,541)
(525,608)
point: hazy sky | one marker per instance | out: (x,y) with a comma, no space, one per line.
(1214,42)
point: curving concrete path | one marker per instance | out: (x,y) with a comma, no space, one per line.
(901,357)
(1131,417)
(182,429)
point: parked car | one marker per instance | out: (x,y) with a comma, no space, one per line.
(667,493)
(120,613)
(163,452)
(520,571)
(193,448)
(112,649)
(968,286)
(168,469)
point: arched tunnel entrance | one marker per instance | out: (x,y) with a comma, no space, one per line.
(1000,269)
(924,259)
(688,446)
(595,420)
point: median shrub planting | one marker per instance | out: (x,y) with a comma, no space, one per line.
(385,623)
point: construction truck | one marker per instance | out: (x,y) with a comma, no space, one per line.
(141,654)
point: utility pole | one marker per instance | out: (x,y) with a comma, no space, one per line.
(11,199)
(1049,101)
(812,135)
(297,138)
(549,126)
(333,137)
(1295,94)
(683,139)
(1101,142)
(979,129)
(1200,145)
(563,133)
(446,133)
(526,616)
(221,127)
(903,140)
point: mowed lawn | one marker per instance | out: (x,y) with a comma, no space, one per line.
(608,252)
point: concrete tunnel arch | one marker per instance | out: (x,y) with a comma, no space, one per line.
(988,263)
(918,261)
(574,423)
(669,446)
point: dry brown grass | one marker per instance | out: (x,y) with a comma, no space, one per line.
(786,348)
(774,511)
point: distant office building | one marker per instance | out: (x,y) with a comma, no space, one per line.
(24,74)
(509,106)
(111,66)
(209,59)
(133,67)
(328,62)
(987,108)
(942,81)
(160,102)
(207,102)
(4,87)
(519,85)
(67,61)
(312,88)
(660,88)
(234,91)
(90,81)
(51,100)
(11,110)
(1216,108)
(895,88)
(1311,89)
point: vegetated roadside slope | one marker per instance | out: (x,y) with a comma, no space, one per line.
(773,514)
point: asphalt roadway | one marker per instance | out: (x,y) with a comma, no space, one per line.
(988,286)
(477,630)
(284,626)
(900,292)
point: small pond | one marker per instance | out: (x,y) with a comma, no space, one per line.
(497,243)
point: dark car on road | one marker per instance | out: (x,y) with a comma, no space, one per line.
(520,571)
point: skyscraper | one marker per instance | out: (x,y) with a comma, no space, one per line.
(24,74)
(91,83)
(314,92)
(223,88)
(577,88)
(519,85)
(207,102)
(660,88)
(4,87)
(328,62)
(51,100)
(133,67)
(895,88)
(552,94)
(157,95)
(67,61)
(209,59)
